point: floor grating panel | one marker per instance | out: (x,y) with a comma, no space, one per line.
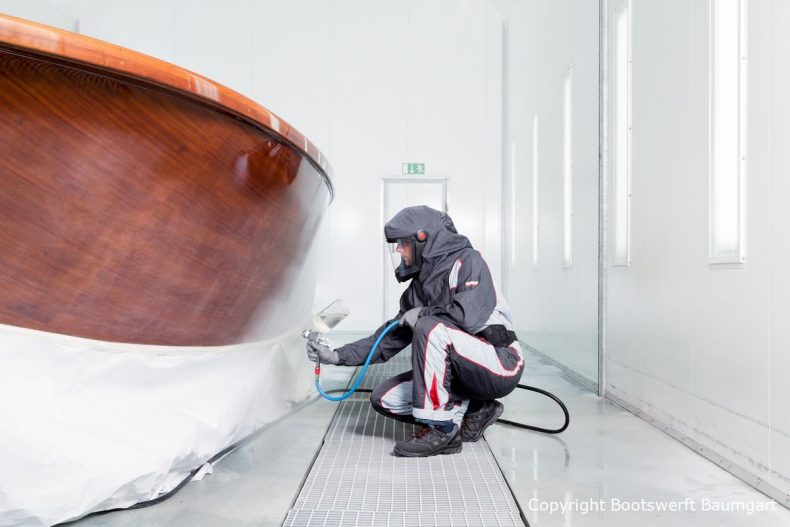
(356,480)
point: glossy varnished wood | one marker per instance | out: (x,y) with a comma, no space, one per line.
(96,55)
(134,212)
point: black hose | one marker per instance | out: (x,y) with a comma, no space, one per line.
(537,428)
(505,421)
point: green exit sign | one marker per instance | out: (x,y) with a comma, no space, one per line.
(413,168)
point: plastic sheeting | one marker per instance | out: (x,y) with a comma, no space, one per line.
(88,425)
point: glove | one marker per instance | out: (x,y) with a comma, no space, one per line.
(410,317)
(316,350)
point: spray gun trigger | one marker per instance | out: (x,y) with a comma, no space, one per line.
(315,336)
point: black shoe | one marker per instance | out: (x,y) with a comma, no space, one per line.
(476,422)
(428,441)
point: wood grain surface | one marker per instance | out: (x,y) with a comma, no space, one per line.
(131,212)
(108,59)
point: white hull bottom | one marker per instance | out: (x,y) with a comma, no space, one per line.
(88,425)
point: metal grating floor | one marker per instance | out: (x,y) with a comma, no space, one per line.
(356,480)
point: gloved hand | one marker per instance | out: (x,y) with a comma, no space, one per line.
(316,350)
(410,317)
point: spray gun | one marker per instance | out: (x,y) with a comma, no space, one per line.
(323,322)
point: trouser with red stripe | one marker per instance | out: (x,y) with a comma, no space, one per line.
(449,368)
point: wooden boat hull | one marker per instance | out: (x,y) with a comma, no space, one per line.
(136,211)
(155,231)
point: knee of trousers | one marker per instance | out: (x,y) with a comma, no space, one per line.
(376,397)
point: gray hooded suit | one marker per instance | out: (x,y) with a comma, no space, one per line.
(453,358)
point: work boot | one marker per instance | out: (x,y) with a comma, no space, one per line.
(475,422)
(428,441)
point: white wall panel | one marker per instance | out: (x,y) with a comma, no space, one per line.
(779,336)
(146,26)
(39,11)
(493,250)
(658,233)
(690,343)
(555,306)
(291,64)
(447,86)
(369,113)
(215,40)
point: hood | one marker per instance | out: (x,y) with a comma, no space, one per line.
(442,238)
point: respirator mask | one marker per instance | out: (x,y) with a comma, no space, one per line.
(406,255)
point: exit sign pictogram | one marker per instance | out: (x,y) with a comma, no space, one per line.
(413,168)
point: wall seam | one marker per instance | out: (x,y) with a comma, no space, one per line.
(603,123)
(770,237)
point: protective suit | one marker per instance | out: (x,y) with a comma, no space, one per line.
(463,345)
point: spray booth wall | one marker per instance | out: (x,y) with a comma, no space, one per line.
(554,299)
(39,11)
(703,347)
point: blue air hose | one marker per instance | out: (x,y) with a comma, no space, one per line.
(361,374)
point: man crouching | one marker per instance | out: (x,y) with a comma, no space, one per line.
(464,351)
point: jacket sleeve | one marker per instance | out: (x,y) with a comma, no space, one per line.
(472,295)
(354,354)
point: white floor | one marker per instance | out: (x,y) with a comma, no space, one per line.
(606,458)
(607,461)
